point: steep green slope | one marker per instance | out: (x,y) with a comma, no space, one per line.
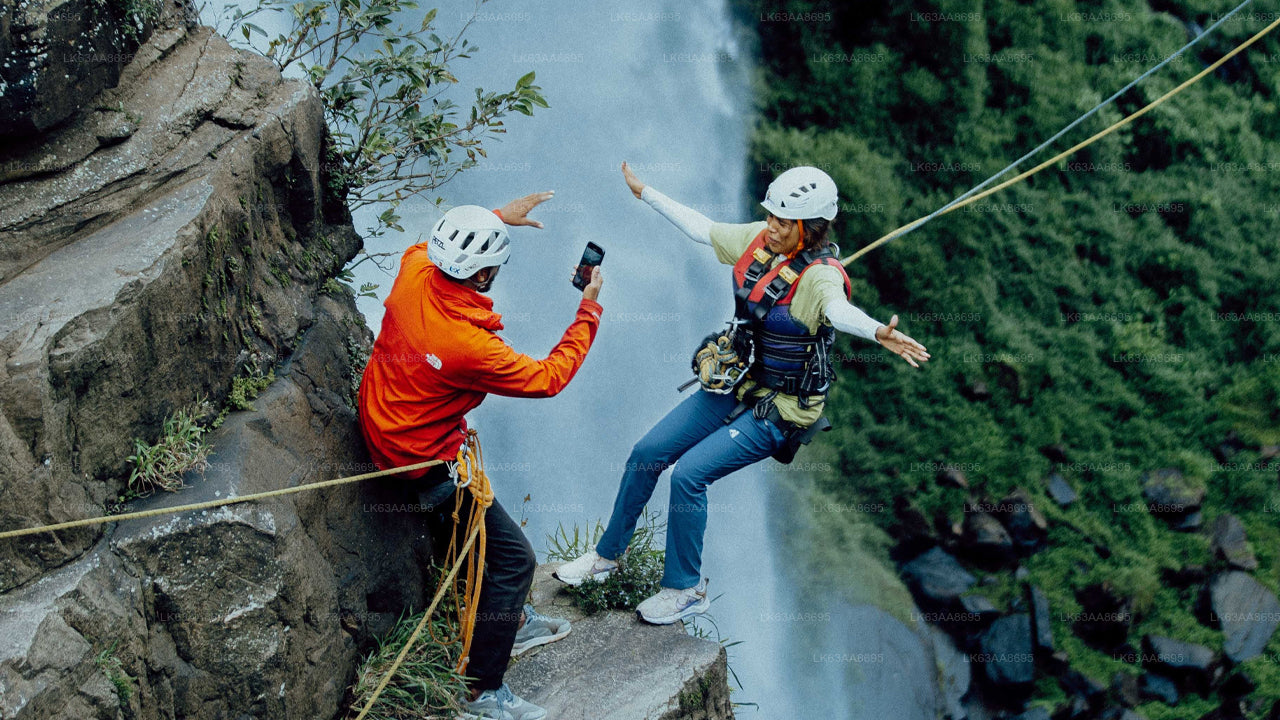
(1124,305)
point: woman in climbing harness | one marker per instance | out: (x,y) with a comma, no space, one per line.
(764,380)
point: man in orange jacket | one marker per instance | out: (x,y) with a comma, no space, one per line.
(436,358)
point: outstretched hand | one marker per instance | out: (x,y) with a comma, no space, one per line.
(899,344)
(633,182)
(516,212)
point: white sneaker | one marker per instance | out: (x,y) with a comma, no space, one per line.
(538,629)
(589,566)
(500,704)
(670,604)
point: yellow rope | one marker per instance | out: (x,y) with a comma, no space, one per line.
(444,585)
(216,503)
(471,475)
(1116,126)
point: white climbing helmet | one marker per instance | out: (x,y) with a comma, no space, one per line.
(467,239)
(802,193)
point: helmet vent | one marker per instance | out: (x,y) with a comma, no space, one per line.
(466,242)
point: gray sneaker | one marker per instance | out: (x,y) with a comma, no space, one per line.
(500,704)
(538,629)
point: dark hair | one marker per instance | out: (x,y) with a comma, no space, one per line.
(817,232)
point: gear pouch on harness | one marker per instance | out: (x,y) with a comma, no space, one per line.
(720,362)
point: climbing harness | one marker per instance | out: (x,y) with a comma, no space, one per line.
(973,195)
(785,355)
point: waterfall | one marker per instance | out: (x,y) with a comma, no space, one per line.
(665,86)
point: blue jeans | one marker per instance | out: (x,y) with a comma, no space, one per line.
(693,433)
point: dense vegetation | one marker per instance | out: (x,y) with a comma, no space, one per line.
(1124,305)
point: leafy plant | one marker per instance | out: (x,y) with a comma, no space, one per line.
(247,387)
(425,685)
(110,664)
(394,132)
(181,448)
(639,569)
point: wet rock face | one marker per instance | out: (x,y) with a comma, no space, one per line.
(152,246)
(59,54)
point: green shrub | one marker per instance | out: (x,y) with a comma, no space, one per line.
(639,569)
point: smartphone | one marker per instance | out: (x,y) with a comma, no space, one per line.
(591,257)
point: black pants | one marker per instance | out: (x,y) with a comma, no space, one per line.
(508,573)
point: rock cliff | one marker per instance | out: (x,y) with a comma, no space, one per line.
(166,227)
(169,231)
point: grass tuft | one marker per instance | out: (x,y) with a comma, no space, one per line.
(180,449)
(425,685)
(639,569)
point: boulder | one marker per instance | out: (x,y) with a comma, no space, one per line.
(1007,660)
(955,676)
(977,391)
(1190,522)
(253,609)
(1186,576)
(1171,497)
(1230,445)
(1238,685)
(1120,714)
(1230,544)
(1060,490)
(140,276)
(937,578)
(911,530)
(1124,688)
(984,541)
(1041,621)
(1247,612)
(614,666)
(1153,686)
(1188,664)
(980,609)
(59,54)
(1026,524)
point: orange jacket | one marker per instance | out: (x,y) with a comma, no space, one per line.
(436,358)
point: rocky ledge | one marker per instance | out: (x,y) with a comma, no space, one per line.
(614,666)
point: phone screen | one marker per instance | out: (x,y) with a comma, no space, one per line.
(591,257)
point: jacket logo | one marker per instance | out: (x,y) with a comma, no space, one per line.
(434,361)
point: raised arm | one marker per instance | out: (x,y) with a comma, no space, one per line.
(690,222)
